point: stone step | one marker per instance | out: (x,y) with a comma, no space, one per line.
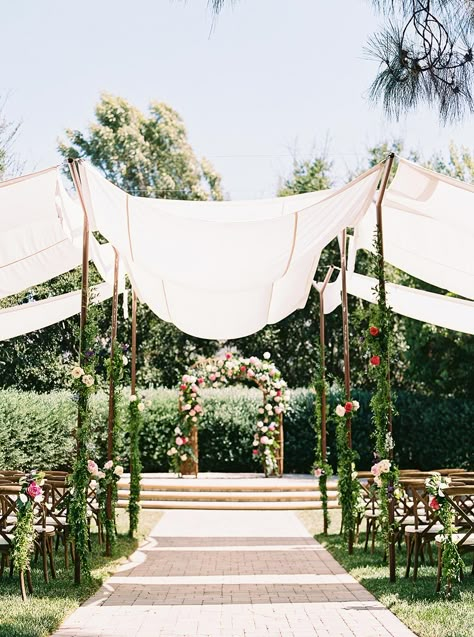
(227,506)
(227,496)
(200,485)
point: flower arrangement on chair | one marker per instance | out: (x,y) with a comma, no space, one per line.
(31,491)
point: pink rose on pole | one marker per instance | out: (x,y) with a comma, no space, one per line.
(198,409)
(212,377)
(34,490)
(264,440)
(318,472)
(192,412)
(179,441)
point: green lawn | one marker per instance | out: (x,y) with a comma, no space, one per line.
(50,604)
(425,612)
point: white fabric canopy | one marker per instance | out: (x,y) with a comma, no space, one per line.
(28,317)
(428,224)
(42,233)
(223,270)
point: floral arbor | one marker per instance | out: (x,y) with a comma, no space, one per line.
(268,442)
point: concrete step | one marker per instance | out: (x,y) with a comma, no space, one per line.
(229,496)
(227,506)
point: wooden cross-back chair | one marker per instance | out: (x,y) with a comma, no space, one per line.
(57,513)
(461,499)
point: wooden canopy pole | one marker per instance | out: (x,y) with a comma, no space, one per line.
(322,357)
(383,300)
(111,421)
(84,306)
(347,370)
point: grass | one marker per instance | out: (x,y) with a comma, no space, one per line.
(50,603)
(425,612)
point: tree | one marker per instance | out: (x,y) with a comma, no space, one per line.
(425,54)
(149,155)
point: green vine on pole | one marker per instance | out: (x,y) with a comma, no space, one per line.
(321,468)
(84,385)
(379,338)
(135,409)
(348,484)
(114,367)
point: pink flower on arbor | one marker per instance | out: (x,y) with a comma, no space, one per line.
(198,409)
(318,472)
(179,441)
(264,440)
(92,467)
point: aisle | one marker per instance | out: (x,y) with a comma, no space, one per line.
(232,574)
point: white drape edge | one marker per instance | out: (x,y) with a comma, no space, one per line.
(181,266)
(42,235)
(428,307)
(29,317)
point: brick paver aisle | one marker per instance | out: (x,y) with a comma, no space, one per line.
(232,574)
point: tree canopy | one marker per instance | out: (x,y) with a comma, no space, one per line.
(425,50)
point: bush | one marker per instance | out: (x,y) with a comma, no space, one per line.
(37,430)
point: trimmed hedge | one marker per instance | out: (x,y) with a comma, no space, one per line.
(36,430)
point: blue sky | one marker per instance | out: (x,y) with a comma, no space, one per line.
(269,78)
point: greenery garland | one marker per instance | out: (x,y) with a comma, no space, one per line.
(108,476)
(348,484)
(114,365)
(84,385)
(453,564)
(379,338)
(321,468)
(135,409)
(24,533)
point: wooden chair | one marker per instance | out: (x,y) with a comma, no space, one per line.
(461,499)
(45,533)
(57,513)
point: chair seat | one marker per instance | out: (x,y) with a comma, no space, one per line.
(49,530)
(434,530)
(457,537)
(410,520)
(58,521)
(372,514)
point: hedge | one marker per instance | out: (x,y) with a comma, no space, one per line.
(36,430)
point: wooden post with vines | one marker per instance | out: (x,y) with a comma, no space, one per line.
(135,422)
(110,513)
(347,371)
(382,302)
(80,526)
(322,434)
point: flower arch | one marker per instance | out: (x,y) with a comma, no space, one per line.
(220,372)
